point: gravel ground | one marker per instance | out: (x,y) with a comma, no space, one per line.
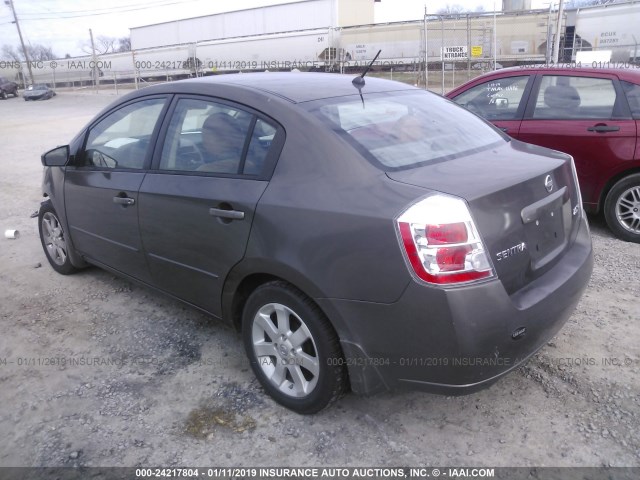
(95,371)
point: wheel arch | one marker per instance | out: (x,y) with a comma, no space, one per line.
(76,259)
(249,275)
(610,184)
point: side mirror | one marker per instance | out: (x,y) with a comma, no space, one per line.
(501,102)
(58,157)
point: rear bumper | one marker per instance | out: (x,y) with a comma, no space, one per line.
(456,341)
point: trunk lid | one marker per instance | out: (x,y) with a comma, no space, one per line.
(524,201)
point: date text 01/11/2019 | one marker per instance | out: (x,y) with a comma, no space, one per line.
(252,64)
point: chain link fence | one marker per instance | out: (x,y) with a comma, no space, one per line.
(438,52)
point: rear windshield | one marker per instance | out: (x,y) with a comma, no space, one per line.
(400,130)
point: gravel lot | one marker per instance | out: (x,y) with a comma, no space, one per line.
(95,371)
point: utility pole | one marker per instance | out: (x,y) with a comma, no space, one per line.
(426,51)
(495,37)
(24,50)
(95,68)
(556,42)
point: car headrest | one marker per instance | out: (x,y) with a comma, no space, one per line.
(561,96)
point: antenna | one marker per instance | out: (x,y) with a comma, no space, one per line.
(359,80)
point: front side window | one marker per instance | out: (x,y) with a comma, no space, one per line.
(401,130)
(495,100)
(211,137)
(563,97)
(121,140)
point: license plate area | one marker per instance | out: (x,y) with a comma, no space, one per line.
(545,227)
(545,235)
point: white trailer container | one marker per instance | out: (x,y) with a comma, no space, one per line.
(611,27)
(307,49)
(300,15)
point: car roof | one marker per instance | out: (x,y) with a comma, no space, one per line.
(631,72)
(295,87)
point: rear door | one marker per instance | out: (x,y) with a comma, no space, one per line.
(101,188)
(502,101)
(198,203)
(586,116)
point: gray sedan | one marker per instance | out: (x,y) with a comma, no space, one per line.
(38,92)
(360,235)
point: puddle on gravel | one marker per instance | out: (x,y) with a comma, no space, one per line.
(203,422)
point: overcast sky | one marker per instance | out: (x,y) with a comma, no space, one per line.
(64,24)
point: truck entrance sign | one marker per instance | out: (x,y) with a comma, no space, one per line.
(454,53)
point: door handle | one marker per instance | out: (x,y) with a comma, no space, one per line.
(604,128)
(504,129)
(126,201)
(229,214)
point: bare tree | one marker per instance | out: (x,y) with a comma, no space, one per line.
(36,52)
(40,53)
(589,3)
(124,44)
(10,53)
(103,44)
(451,9)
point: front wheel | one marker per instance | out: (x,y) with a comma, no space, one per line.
(4,95)
(622,208)
(293,350)
(54,241)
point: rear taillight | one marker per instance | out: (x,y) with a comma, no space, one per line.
(441,243)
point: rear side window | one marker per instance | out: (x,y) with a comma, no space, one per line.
(399,130)
(211,137)
(565,97)
(633,96)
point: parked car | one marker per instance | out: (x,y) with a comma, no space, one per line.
(592,114)
(365,236)
(38,92)
(7,88)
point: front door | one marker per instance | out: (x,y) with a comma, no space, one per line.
(101,188)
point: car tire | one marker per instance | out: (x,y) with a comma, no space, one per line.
(52,237)
(622,208)
(4,95)
(292,348)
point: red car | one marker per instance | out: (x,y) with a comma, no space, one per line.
(591,113)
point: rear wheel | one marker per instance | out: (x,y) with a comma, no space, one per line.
(293,350)
(4,95)
(53,240)
(622,208)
